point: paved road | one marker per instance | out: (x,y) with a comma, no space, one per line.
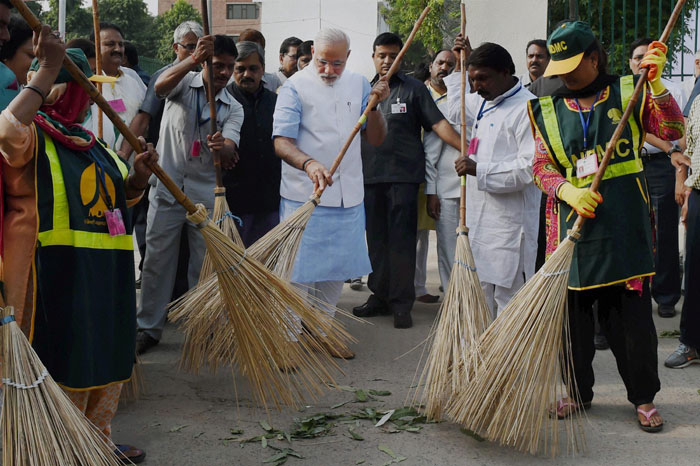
(187,419)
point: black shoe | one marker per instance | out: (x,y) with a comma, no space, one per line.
(666,311)
(370,310)
(144,342)
(403,320)
(600,342)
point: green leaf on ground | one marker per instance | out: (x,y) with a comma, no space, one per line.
(341,404)
(472,434)
(263,442)
(178,428)
(361,396)
(359,462)
(669,334)
(266,426)
(379,392)
(387,450)
(236,431)
(355,435)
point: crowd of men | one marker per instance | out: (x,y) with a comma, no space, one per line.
(280,126)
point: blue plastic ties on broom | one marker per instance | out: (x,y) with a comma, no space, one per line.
(7,320)
(230,215)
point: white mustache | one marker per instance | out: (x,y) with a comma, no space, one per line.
(328,75)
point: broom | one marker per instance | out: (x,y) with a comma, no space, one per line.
(261,306)
(98,61)
(40,424)
(202,319)
(464,314)
(510,403)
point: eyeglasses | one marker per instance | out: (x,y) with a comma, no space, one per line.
(290,55)
(189,47)
(334,64)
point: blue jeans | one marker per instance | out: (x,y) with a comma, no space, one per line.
(661,178)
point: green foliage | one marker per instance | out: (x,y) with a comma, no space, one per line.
(437,32)
(35,7)
(617,28)
(78,19)
(166,23)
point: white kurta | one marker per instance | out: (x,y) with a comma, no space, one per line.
(502,200)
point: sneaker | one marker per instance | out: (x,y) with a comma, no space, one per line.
(144,342)
(356,284)
(682,357)
(666,311)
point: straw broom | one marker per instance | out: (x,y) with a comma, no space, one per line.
(201,317)
(510,403)
(40,424)
(464,314)
(261,306)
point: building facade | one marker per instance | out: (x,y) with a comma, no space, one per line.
(227,17)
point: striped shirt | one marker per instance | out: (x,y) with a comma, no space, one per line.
(693,151)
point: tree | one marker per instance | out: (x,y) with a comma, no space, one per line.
(617,28)
(437,32)
(78,19)
(166,23)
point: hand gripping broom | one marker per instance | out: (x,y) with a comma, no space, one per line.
(40,424)
(207,338)
(528,345)
(464,314)
(261,305)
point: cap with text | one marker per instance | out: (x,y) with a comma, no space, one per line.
(567,45)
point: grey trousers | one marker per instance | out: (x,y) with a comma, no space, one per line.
(446,230)
(163,231)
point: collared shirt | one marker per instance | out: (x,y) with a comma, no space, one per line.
(270,81)
(185,125)
(125,95)
(258,169)
(320,118)
(281,76)
(503,203)
(401,157)
(440,175)
(153,105)
(693,150)
(691,98)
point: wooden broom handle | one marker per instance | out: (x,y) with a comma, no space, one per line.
(463,123)
(373,99)
(216,157)
(98,60)
(638,89)
(92,91)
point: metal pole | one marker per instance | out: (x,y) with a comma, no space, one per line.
(62,18)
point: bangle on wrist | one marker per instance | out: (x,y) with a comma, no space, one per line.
(306,162)
(662,95)
(36,89)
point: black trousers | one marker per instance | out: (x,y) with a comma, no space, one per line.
(690,316)
(392,221)
(626,320)
(139,214)
(661,179)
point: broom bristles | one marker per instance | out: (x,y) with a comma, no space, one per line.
(133,388)
(261,309)
(40,424)
(519,381)
(464,315)
(222,217)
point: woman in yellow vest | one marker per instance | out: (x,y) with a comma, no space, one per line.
(613,259)
(68,252)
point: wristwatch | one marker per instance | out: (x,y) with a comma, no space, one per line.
(674,148)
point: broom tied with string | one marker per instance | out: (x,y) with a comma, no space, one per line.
(40,424)
(202,317)
(510,403)
(464,314)
(260,305)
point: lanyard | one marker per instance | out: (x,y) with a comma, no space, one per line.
(585,123)
(100,169)
(483,112)
(201,109)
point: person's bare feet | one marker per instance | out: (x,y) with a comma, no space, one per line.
(652,421)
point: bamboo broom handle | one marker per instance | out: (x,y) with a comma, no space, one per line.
(638,89)
(92,91)
(98,61)
(216,157)
(373,99)
(463,123)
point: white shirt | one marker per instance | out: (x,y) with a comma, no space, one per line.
(320,117)
(440,175)
(503,203)
(128,92)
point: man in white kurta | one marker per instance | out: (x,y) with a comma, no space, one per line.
(315,112)
(502,200)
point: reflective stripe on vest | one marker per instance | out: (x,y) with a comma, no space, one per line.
(549,116)
(61,234)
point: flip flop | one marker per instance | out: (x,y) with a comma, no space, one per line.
(121,450)
(648,415)
(561,404)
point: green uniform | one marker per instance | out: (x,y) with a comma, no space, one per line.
(84,322)
(616,245)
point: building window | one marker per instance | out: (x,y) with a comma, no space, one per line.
(242,11)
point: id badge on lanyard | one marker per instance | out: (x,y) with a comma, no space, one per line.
(113,216)
(588,165)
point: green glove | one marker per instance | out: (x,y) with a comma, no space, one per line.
(582,200)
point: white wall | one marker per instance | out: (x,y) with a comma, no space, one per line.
(509,23)
(280,19)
